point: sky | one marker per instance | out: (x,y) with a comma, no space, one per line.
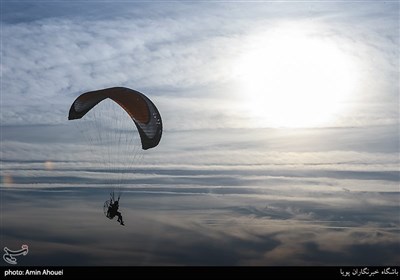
(280,142)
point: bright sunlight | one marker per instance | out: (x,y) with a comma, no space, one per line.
(294,78)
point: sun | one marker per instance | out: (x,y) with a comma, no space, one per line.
(293,78)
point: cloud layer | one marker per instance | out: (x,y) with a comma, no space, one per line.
(182,55)
(219,189)
(199,229)
(215,203)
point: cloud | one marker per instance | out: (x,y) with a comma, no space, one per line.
(195,229)
(290,208)
(217,191)
(182,56)
(266,161)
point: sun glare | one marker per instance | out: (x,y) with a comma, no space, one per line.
(291,78)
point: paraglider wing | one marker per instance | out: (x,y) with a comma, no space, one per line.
(140,108)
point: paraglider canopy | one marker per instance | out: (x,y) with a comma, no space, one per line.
(141,109)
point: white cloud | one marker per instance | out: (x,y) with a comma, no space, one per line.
(181,59)
(230,195)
